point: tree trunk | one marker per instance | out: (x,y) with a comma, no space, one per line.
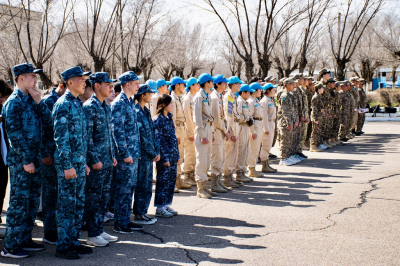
(341,68)
(265,65)
(394,76)
(249,65)
(239,68)
(99,64)
(302,64)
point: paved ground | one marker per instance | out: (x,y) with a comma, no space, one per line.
(340,207)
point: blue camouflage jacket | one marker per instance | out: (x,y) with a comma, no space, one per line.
(24,121)
(48,143)
(69,131)
(165,134)
(126,131)
(149,144)
(99,131)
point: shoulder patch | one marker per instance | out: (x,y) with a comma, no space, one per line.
(63,120)
(283,98)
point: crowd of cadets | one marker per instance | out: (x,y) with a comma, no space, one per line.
(90,147)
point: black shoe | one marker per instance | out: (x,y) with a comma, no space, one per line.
(135,226)
(353,131)
(358,134)
(259,160)
(39,215)
(344,139)
(50,238)
(69,254)
(18,253)
(302,155)
(83,250)
(362,132)
(272,156)
(33,246)
(123,229)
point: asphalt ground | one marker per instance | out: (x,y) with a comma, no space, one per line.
(339,207)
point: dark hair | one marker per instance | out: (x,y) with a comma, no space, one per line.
(5,90)
(173,87)
(163,102)
(137,96)
(241,92)
(255,79)
(117,87)
(87,83)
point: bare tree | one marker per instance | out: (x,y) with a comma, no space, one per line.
(347,35)
(286,54)
(38,34)
(230,55)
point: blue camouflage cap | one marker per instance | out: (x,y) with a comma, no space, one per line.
(234,79)
(162,82)
(128,76)
(205,77)
(100,77)
(255,86)
(269,86)
(25,68)
(145,88)
(190,82)
(174,81)
(245,87)
(220,79)
(74,72)
(152,84)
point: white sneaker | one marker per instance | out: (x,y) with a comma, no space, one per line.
(299,158)
(322,147)
(293,160)
(162,212)
(108,237)
(2,233)
(285,162)
(97,241)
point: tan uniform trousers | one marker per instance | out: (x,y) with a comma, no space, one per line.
(180,133)
(267,142)
(203,154)
(232,149)
(190,155)
(218,153)
(244,148)
(255,144)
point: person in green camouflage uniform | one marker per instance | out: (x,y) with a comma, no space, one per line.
(351,112)
(326,99)
(310,93)
(317,113)
(345,108)
(335,110)
(362,105)
(354,92)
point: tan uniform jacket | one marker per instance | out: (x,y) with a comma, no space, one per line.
(188,111)
(269,113)
(256,112)
(243,110)
(153,103)
(202,112)
(230,105)
(217,112)
(177,110)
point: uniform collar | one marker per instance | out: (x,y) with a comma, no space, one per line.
(54,93)
(23,97)
(203,93)
(71,97)
(145,109)
(97,101)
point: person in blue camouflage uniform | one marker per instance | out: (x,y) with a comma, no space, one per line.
(48,173)
(126,134)
(169,152)
(100,158)
(70,160)
(150,153)
(24,114)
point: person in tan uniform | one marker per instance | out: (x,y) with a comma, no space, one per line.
(256,129)
(162,88)
(221,134)
(268,126)
(245,122)
(230,105)
(192,87)
(177,87)
(203,134)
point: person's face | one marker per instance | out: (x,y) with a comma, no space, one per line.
(132,87)
(321,90)
(272,81)
(147,97)
(271,92)
(163,89)
(28,80)
(301,82)
(326,76)
(331,85)
(257,93)
(180,88)
(311,87)
(361,85)
(169,107)
(235,87)
(78,84)
(112,94)
(104,89)
(245,95)
(195,87)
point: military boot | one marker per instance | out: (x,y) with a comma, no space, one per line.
(314,148)
(338,141)
(176,190)
(332,140)
(270,168)
(254,173)
(265,168)
(240,177)
(188,179)
(208,190)
(221,184)
(228,182)
(214,185)
(201,192)
(180,184)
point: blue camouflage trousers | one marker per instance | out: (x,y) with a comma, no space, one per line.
(49,198)
(125,182)
(144,186)
(23,205)
(70,206)
(165,184)
(97,194)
